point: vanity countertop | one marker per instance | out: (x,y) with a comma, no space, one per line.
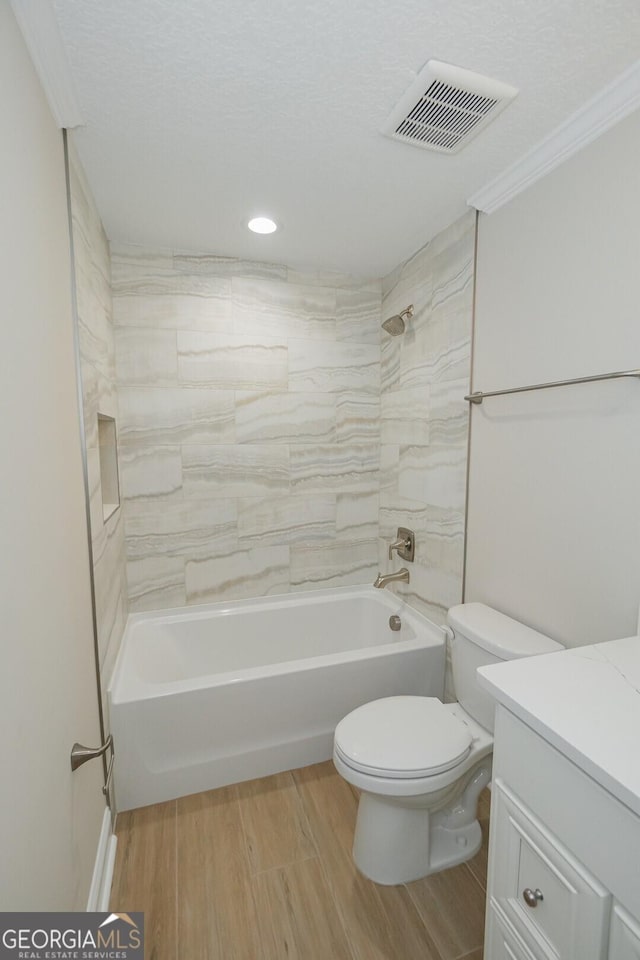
(586,702)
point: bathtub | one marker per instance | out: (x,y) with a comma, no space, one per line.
(215,694)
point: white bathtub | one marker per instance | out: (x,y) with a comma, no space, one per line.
(215,694)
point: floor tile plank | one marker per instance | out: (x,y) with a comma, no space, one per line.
(297,916)
(478,864)
(452,905)
(216,913)
(382,923)
(275,825)
(145,874)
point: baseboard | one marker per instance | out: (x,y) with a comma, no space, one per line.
(103,867)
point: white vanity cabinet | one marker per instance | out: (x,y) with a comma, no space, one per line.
(624,941)
(564,857)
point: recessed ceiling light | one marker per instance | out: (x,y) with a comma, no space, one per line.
(262,225)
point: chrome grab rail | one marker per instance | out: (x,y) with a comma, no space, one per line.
(479,395)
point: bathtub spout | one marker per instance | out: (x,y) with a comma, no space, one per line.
(384,578)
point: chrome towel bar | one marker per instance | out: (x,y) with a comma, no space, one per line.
(479,395)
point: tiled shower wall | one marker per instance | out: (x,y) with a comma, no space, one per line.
(249,402)
(424,418)
(97,370)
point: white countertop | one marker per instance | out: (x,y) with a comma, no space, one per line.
(584,701)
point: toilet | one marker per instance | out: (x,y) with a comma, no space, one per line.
(421,764)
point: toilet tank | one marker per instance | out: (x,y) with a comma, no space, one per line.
(480,636)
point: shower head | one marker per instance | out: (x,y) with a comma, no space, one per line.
(395,325)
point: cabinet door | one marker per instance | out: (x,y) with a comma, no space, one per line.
(553,902)
(624,942)
(501,942)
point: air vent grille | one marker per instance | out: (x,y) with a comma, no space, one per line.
(446,106)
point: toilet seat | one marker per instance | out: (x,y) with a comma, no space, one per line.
(402,738)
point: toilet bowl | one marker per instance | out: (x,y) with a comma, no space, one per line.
(421,764)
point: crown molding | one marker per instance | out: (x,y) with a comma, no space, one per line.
(37,21)
(612,104)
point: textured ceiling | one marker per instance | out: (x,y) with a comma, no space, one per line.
(200,113)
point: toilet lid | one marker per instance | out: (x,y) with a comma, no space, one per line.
(402,737)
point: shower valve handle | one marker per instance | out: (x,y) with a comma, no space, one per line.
(405,544)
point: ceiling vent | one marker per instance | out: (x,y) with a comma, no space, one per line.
(446,106)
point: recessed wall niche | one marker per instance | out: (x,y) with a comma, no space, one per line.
(108,451)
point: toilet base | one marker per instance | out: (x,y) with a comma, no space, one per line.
(398,840)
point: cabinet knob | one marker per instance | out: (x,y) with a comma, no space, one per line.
(531,897)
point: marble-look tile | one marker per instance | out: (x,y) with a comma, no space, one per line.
(460,231)
(96,510)
(414,270)
(318,366)
(211,266)
(357,516)
(110,588)
(173,302)
(358,313)
(257,572)
(146,357)
(227,470)
(231,362)
(97,378)
(317,468)
(130,262)
(266,308)
(180,528)
(150,472)
(329,278)
(333,564)
(95,336)
(285,417)
(417,294)
(441,542)
(287,520)
(405,416)
(437,588)
(357,418)
(401,512)
(449,412)
(156,583)
(435,475)
(166,415)
(390,351)
(389,473)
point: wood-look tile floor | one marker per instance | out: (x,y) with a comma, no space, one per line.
(263,871)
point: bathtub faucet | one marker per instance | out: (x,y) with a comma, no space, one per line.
(384,578)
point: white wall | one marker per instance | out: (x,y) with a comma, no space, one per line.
(554,510)
(50,818)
